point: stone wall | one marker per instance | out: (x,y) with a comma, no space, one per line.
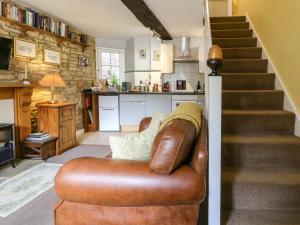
(76,78)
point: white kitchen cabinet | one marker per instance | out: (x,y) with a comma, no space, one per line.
(142,44)
(132,98)
(158,103)
(131,113)
(132,109)
(155,49)
(136,62)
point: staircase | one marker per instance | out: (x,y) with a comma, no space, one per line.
(260,154)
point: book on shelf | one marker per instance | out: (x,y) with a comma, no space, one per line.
(32,18)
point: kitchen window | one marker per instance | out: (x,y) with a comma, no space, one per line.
(110,64)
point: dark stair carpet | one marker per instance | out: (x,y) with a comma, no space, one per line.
(260,154)
(242,53)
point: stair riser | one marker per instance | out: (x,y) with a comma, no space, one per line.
(260,196)
(258,124)
(258,155)
(229,26)
(244,66)
(235,43)
(242,53)
(248,82)
(243,101)
(228,19)
(232,33)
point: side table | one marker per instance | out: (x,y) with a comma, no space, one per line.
(39,149)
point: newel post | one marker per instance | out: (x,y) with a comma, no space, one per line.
(215,62)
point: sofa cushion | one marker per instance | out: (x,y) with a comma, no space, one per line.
(136,146)
(171,146)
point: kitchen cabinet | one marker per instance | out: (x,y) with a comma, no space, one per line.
(158,103)
(134,61)
(132,109)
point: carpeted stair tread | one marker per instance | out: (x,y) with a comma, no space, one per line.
(257,122)
(242,53)
(252,99)
(258,112)
(263,176)
(262,139)
(235,42)
(248,81)
(261,151)
(257,188)
(228,19)
(236,33)
(244,66)
(229,25)
(260,217)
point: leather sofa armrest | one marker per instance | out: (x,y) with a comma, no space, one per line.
(144,124)
(126,183)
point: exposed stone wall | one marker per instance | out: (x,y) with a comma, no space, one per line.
(76,78)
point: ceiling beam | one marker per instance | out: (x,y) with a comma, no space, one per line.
(147,17)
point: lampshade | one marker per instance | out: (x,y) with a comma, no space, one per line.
(52,80)
(166,58)
(215,52)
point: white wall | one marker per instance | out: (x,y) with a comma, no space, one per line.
(7,111)
(111,43)
(218,7)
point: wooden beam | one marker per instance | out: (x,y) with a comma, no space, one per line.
(147,17)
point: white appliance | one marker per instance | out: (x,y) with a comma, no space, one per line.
(109,113)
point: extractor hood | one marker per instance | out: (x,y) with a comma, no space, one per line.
(185,55)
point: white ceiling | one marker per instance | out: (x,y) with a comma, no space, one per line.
(111,19)
(179,17)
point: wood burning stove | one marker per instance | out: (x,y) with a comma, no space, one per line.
(6,144)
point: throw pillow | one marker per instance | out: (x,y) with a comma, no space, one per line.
(136,146)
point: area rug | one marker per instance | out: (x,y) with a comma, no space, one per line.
(26,186)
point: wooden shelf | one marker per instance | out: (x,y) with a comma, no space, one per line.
(16,85)
(25,28)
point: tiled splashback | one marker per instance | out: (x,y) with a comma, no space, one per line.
(188,72)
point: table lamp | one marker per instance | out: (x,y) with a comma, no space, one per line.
(52,80)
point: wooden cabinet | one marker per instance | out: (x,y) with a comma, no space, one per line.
(58,120)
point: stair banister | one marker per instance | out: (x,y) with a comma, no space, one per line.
(214,114)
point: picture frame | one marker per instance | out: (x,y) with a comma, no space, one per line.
(25,48)
(51,56)
(142,53)
(156,55)
(83,61)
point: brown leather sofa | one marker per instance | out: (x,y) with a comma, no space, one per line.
(167,190)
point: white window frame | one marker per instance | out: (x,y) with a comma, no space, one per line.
(99,50)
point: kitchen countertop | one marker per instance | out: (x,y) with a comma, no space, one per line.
(90,91)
